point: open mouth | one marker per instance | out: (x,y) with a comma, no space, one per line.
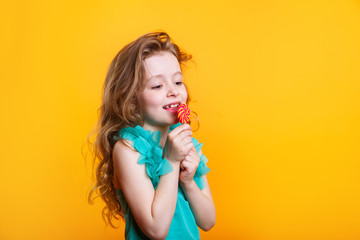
(172,106)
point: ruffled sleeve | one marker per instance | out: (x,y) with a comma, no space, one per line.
(147,143)
(202,168)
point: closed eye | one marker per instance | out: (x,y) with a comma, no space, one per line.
(157,87)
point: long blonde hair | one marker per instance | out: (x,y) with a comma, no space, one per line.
(121,108)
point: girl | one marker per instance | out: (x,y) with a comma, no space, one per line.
(152,173)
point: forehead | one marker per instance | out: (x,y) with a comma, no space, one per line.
(163,63)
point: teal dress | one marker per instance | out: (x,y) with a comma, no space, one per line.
(147,143)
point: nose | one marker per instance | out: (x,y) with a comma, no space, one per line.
(172,91)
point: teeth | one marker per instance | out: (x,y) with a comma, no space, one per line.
(171,106)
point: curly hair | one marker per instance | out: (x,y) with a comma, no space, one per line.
(121,108)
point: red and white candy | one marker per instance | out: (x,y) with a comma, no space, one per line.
(183,113)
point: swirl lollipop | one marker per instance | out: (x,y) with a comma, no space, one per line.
(183,113)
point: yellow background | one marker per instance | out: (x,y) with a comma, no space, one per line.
(275,84)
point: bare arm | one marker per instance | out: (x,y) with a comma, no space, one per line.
(201,201)
(153,210)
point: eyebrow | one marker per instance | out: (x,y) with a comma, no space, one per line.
(161,75)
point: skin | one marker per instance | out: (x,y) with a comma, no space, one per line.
(154,209)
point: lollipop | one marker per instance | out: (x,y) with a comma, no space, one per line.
(183,113)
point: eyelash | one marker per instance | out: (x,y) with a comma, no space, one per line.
(159,86)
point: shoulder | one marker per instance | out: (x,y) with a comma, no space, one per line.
(123,151)
(125,139)
(122,144)
(125,162)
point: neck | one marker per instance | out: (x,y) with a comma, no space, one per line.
(164,130)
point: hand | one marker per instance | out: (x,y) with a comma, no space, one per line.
(178,143)
(189,166)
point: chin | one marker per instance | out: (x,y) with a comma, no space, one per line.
(171,122)
(174,121)
(165,120)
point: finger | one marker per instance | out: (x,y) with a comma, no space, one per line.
(193,156)
(182,135)
(193,160)
(184,168)
(190,161)
(188,158)
(185,141)
(181,166)
(187,147)
(180,128)
(196,153)
(192,151)
(184,147)
(186,165)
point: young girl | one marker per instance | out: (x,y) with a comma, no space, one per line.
(152,173)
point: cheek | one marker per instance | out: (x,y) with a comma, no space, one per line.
(150,100)
(184,94)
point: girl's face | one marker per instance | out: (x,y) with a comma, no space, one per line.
(164,89)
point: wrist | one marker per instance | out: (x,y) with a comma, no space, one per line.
(174,164)
(169,159)
(188,184)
